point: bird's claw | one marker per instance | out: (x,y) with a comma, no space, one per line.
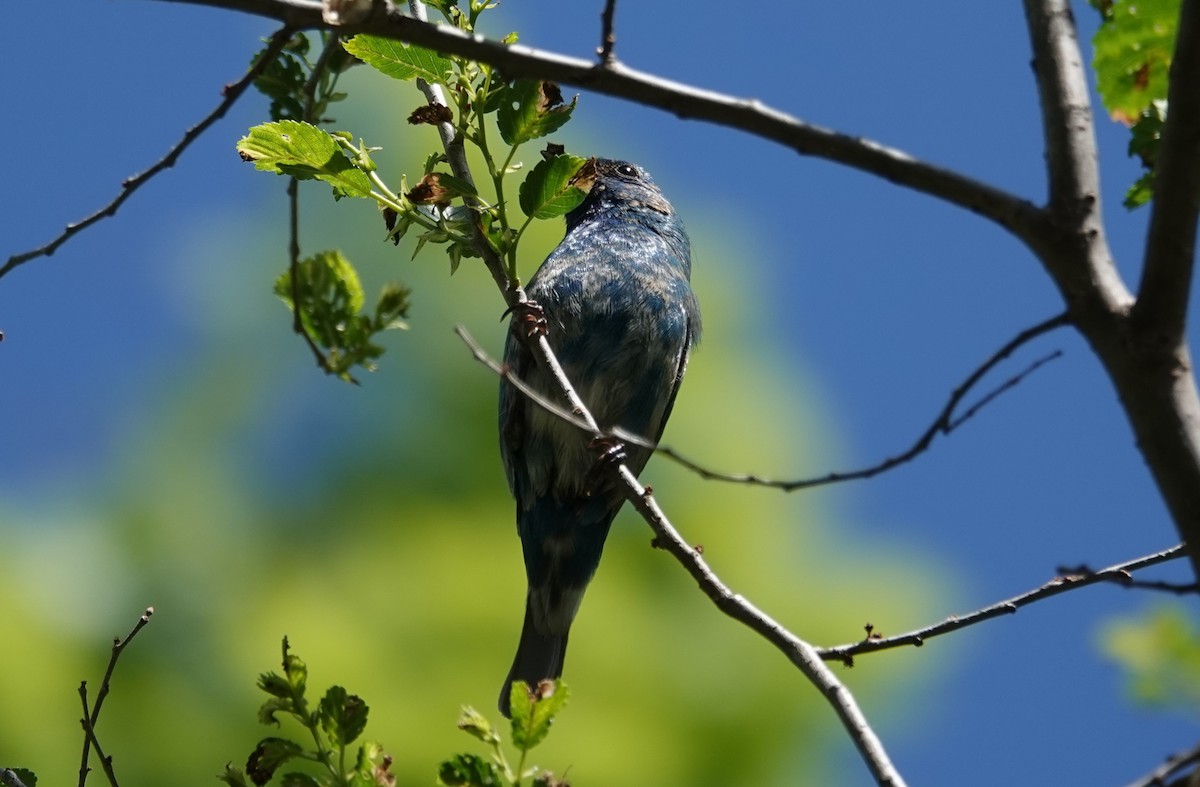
(610,454)
(532,319)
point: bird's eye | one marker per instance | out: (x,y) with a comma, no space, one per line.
(627,171)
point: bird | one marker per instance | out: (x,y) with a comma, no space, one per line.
(615,301)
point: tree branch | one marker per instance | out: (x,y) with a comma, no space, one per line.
(943,424)
(608,38)
(1075,251)
(1067,580)
(1019,216)
(231,92)
(800,653)
(1171,242)
(1173,765)
(91,717)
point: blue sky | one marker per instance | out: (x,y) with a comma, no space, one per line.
(884,301)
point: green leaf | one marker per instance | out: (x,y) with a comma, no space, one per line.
(266,714)
(469,770)
(276,685)
(288,147)
(399,60)
(1133,50)
(283,79)
(343,716)
(1161,653)
(533,715)
(532,109)
(476,725)
(268,756)
(1141,192)
(294,779)
(231,776)
(546,192)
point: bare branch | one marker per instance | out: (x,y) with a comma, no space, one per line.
(91,717)
(1171,241)
(1067,580)
(1017,215)
(231,92)
(332,46)
(799,652)
(1075,252)
(1173,765)
(608,38)
(943,424)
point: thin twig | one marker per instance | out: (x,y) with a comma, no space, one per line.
(90,718)
(1173,765)
(231,92)
(943,424)
(608,38)
(293,195)
(1118,573)
(90,740)
(799,652)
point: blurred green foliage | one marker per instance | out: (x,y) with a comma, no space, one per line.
(249,498)
(1133,49)
(1160,652)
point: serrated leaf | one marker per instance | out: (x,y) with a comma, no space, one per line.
(476,725)
(232,776)
(469,770)
(532,109)
(266,713)
(268,756)
(533,713)
(399,60)
(343,716)
(283,79)
(546,191)
(1133,50)
(289,147)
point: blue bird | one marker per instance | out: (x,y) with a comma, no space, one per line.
(622,319)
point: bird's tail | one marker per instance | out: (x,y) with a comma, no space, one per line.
(539,657)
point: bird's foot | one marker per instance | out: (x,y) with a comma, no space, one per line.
(531,318)
(610,454)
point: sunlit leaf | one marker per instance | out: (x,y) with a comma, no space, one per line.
(288,147)
(532,109)
(1133,52)
(546,191)
(399,60)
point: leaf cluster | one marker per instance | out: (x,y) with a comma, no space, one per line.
(533,713)
(327,296)
(443,207)
(1133,50)
(338,720)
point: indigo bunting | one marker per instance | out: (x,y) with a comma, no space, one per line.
(622,319)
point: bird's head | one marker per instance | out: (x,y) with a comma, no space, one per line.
(617,186)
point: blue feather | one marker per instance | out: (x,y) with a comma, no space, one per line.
(622,319)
